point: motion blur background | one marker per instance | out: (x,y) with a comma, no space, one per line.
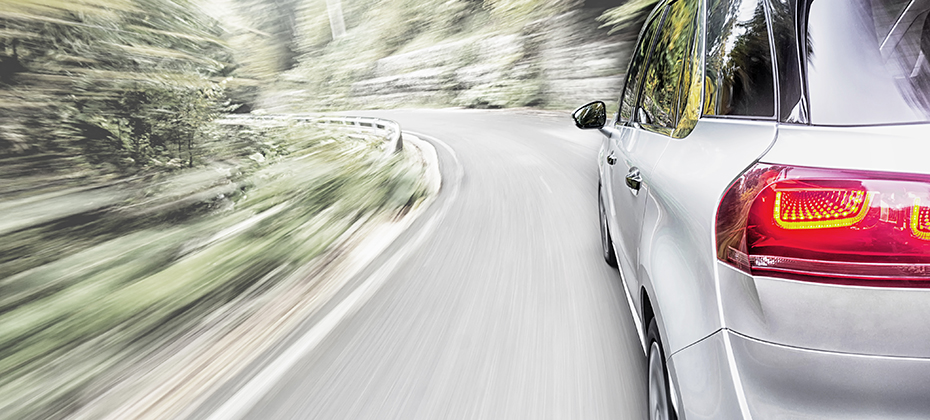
(122,179)
(127,85)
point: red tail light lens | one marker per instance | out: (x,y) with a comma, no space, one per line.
(833,226)
(810,207)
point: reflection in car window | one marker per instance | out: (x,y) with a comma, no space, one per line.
(667,67)
(739,77)
(852,79)
(634,75)
(689,96)
(885,13)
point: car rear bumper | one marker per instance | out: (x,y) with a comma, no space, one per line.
(730,376)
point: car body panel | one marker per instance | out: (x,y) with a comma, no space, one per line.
(637,150)
(677,242)
(703,376)
(848,319)
(891,148)
(726,374)
(781,382)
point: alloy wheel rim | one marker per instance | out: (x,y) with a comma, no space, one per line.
(658,399)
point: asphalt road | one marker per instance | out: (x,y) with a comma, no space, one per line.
(496,304)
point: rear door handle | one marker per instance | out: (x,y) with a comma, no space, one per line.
(611,159)
(634,180)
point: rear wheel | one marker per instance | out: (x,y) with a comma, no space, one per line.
(607,246)
(660,407)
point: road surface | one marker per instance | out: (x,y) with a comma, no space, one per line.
(495,304)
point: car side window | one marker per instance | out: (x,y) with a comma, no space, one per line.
(669,69)
(634,74)
(739,78)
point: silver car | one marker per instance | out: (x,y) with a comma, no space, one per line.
(765,192)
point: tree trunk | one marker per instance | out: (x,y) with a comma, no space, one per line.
(336,21)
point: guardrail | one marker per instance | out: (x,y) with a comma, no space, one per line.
(394,141)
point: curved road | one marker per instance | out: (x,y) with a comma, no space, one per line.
(495,304)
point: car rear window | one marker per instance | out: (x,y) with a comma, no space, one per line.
(867,62)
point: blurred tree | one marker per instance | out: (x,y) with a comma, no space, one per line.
(108,81)
(374,29)
(521,11)
(336,20)
(628,18)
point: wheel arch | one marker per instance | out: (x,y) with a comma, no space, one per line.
(647,312)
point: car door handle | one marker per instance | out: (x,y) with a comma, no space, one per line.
(611,159)
(634,180)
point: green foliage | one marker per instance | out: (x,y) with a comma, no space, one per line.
(376,29)
(520,11)
(113,86)
(261,34)
(79,304)
(106,250)
(149,124)
(503,94)
(389,25)
(380,28)
(628,18)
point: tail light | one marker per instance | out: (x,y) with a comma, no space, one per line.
(826,225)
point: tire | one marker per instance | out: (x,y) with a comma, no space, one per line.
(659,398)
(607,243)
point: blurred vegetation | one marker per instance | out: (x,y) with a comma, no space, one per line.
(131,211)
(87,293)
(106,87)
(110,88)
(326,71)
(628,18)
(327,67)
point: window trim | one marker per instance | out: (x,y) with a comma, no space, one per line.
(803,14)
(776,83)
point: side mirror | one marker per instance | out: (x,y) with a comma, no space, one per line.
(592,115)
